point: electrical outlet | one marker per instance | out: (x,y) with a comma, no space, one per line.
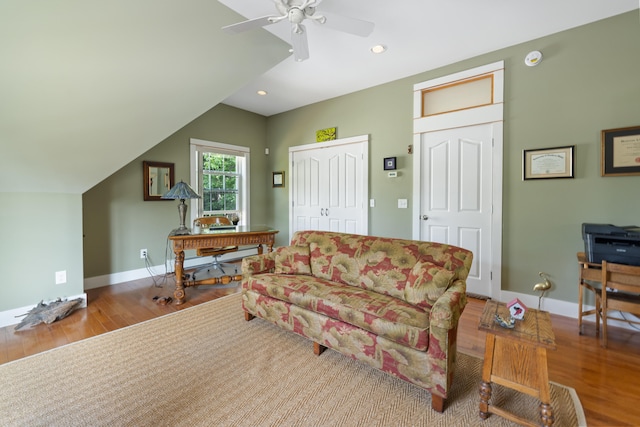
(143,254)
(61,277)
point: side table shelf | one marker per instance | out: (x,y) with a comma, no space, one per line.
(516,358)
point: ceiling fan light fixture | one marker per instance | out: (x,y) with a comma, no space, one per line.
(379,48)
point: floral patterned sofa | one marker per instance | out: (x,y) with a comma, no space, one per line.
(392,303)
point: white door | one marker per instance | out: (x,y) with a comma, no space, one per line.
(328,186)
(457,178)
(456,195)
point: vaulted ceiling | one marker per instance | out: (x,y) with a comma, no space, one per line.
(86,86)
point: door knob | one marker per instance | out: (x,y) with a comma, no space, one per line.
(425,217)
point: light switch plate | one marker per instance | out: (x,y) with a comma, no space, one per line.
(402,203)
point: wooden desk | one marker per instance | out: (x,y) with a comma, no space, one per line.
(516,358)
(238,236)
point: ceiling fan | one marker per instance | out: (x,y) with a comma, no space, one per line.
(296,12)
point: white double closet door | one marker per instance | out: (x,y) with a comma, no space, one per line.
(329,186)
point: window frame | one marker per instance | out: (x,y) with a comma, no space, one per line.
(199,146)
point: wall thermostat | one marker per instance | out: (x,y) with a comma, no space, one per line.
(390,163)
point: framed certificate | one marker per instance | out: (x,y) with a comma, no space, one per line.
(545,163)
(620,152)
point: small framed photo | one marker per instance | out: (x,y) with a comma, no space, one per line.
(545,163)
(389,163)
(278,179)
(620,152)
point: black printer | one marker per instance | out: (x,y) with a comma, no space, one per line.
(611,243)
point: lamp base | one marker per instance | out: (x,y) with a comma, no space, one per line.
(180,231)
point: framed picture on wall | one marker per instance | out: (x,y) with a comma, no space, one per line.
(545,163)
(278,179)
(620,152)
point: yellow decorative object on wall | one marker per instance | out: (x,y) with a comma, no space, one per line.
(327,134)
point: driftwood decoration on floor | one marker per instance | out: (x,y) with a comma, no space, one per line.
(42,312)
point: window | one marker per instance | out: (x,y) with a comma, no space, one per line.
(219,174)
(457,96)
(220,180)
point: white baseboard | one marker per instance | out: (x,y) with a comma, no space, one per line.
(159,270)
(14,316)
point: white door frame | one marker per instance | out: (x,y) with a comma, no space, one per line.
(360,139)
(485,114)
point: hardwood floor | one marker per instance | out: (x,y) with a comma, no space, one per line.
(606,380)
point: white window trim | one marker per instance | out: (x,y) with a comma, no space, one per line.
(195,146)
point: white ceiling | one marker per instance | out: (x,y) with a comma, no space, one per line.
(421,35)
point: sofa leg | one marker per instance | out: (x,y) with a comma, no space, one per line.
(248,316)
(318,348)
(437,403)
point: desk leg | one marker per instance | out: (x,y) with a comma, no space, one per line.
(260,250)
(178,294)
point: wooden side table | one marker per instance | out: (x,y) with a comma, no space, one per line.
(516,358)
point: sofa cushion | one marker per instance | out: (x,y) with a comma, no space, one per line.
(426,283)
(379,265)
(292,260)
(382,264)
(380,314)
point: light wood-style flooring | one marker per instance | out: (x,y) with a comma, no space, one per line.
(606,379)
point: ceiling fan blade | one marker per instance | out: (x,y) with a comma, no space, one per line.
(299,43)
(354,26)
(247,25)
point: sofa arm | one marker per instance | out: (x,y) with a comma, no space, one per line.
(256,264)
(447,310)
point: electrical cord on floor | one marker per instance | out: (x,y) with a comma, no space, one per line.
(630,322)
(160,280)
(154,277)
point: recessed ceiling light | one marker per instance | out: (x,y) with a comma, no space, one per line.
(262,92)
(379,48)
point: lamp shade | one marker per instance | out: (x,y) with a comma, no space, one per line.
(181,191)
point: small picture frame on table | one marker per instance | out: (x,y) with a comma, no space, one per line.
(620,152)
(277,179)
(546,163)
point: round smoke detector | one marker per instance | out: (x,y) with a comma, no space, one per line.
(533,58)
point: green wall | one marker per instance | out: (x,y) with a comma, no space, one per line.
(118,223)
(41,234)
(587,81)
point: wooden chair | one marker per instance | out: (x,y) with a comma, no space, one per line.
(620,291)
(212,222)
(590,276)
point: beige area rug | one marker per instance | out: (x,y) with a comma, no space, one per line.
(207,366)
